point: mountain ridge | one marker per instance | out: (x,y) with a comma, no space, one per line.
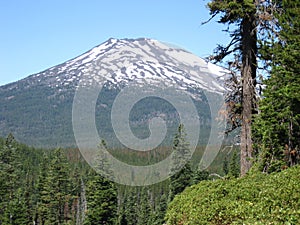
(118,62)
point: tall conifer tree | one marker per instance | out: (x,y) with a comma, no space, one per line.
(241,14)
(11,197)
(101,191)
(277,128)
(182,154)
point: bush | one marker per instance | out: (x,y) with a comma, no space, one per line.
(254,199)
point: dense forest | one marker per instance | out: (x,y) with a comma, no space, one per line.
(254,184)
(57,186)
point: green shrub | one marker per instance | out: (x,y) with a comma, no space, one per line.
(254,199)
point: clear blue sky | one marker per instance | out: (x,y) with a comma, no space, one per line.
(36,35)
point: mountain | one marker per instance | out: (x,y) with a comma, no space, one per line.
(38,109)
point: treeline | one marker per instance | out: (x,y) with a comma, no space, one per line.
(39,186)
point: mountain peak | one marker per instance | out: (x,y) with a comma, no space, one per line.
(38,109)
(140,60)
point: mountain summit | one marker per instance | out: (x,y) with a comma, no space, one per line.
(38,109)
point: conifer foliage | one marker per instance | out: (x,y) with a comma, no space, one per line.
(44,187)
(277,127)
(183,176)
(11,196)
(55,186)
(101,200)
(243,47)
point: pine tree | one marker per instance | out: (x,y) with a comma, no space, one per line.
(55,191)
(200,175)
(43,195)
(101,162)
(225,165)
(19,209)
(30,196)
(158,217)
(144,208)
(130,204)
(277,128)
(234,169)
(241,14)
(183,176)
(101,200)
(10,182)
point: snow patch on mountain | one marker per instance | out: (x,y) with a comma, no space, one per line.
(141,61)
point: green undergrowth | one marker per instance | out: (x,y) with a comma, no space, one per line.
(254,199)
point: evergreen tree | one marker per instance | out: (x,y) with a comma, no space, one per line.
(19,209)
(234,169)
(200,175)
(183,176)
(130,205)
(101,163)
(55,191)
(10,183)
(101,191)
(26,198)
(144,208)
(241,14)
(158,216)
(43,195)
(30,196)
(277,128)
(101,200)
(225,165)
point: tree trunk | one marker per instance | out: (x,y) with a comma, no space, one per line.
(248,73)
(82,205)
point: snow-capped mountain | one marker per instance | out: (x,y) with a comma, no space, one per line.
(133,60)
(43,100)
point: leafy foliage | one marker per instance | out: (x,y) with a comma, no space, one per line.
(253,199)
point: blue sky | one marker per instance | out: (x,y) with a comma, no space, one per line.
(36,35)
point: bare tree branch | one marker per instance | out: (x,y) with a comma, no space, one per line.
(207,21)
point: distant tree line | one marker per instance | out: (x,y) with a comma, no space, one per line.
(39,186)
